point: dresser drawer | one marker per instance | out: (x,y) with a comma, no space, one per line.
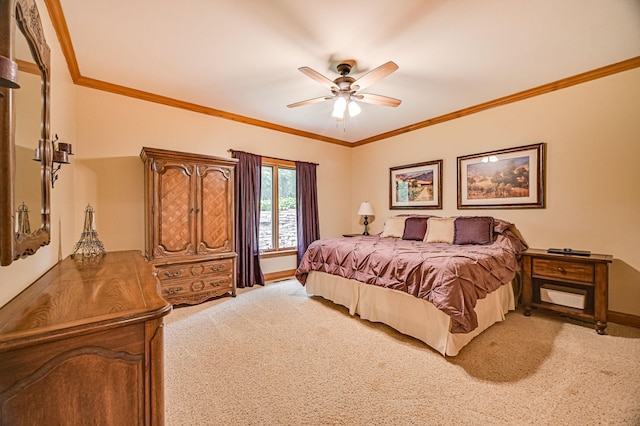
(187,270)
(563,270)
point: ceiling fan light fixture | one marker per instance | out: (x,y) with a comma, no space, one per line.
(354,109)
(339,107)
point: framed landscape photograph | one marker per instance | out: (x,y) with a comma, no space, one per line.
(508,178)
(416,186)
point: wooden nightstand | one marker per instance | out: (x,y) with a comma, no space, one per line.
(587,275)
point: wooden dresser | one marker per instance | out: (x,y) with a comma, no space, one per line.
(189,214)
(84,345)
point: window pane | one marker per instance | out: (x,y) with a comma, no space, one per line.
(265,233)
(287,232)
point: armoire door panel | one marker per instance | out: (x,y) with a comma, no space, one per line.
(175,210)
(214,218)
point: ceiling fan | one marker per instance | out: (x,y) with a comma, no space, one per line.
(345,89)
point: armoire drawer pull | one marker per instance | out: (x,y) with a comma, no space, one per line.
(216,268)
(561,269)
(218,283)
(173,290)
(172,274)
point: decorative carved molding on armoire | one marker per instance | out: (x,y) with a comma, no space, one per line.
(189,224)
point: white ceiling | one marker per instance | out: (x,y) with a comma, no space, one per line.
(242,56)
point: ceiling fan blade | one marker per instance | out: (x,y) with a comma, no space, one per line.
(370,98)
(374,75)
(310,101)
(315,75)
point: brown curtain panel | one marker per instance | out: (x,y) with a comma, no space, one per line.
(247,193)
(307,206)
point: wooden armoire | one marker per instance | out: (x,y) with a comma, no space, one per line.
(189,223)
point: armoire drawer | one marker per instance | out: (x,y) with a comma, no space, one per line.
(203,283)
(198,269)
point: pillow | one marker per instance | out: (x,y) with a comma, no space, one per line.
(415,228)
(440,230)
(394,227)
(500,225)
(473,230)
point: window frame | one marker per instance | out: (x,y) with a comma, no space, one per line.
(275,164)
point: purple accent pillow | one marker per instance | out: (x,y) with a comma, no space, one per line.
(473,230)
(415,228)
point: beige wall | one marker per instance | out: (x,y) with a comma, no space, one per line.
(593,148)
(15,277)
(112,130)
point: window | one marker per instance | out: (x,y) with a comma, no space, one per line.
(278,228)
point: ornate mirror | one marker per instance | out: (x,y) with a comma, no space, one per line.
(24,134)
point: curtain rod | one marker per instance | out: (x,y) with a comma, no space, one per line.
(275,158)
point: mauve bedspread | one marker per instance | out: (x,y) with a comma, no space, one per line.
(451,277)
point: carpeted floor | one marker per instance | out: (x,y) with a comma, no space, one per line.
(275,356)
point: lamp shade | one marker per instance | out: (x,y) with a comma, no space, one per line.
(354,109)
(8,73)
(339,107)
(365,209)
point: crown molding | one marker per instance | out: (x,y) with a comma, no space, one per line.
(625,65)
(62,31)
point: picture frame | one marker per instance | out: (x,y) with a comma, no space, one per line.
(512,178)
(416,186)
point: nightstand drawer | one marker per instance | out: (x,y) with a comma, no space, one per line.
(563,270)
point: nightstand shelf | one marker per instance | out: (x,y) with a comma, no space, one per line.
(586,275)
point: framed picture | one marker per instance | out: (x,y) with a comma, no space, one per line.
(416,186)
(508,178)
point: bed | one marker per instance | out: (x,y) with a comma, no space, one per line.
(440,280)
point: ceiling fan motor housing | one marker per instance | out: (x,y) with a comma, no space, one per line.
(344,68)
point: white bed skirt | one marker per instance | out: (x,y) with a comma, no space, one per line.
(408,314)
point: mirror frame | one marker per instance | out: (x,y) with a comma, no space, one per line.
(23,14)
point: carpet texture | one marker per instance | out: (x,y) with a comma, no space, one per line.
(276,356)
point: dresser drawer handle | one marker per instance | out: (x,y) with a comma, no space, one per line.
(562,270)
(217,283)
(173,290)
(172,274)
(216,268)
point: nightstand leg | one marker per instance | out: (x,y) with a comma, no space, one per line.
(601,297)
(527,290)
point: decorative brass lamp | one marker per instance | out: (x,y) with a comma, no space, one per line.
(89,248)
(22,224)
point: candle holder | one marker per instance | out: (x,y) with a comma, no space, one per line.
(61,152)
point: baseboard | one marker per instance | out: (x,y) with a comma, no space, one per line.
(624,319)
(279,275)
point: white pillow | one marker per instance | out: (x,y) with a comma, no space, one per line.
(394,227)
(440,230)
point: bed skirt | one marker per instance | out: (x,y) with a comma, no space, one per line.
(408,314)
